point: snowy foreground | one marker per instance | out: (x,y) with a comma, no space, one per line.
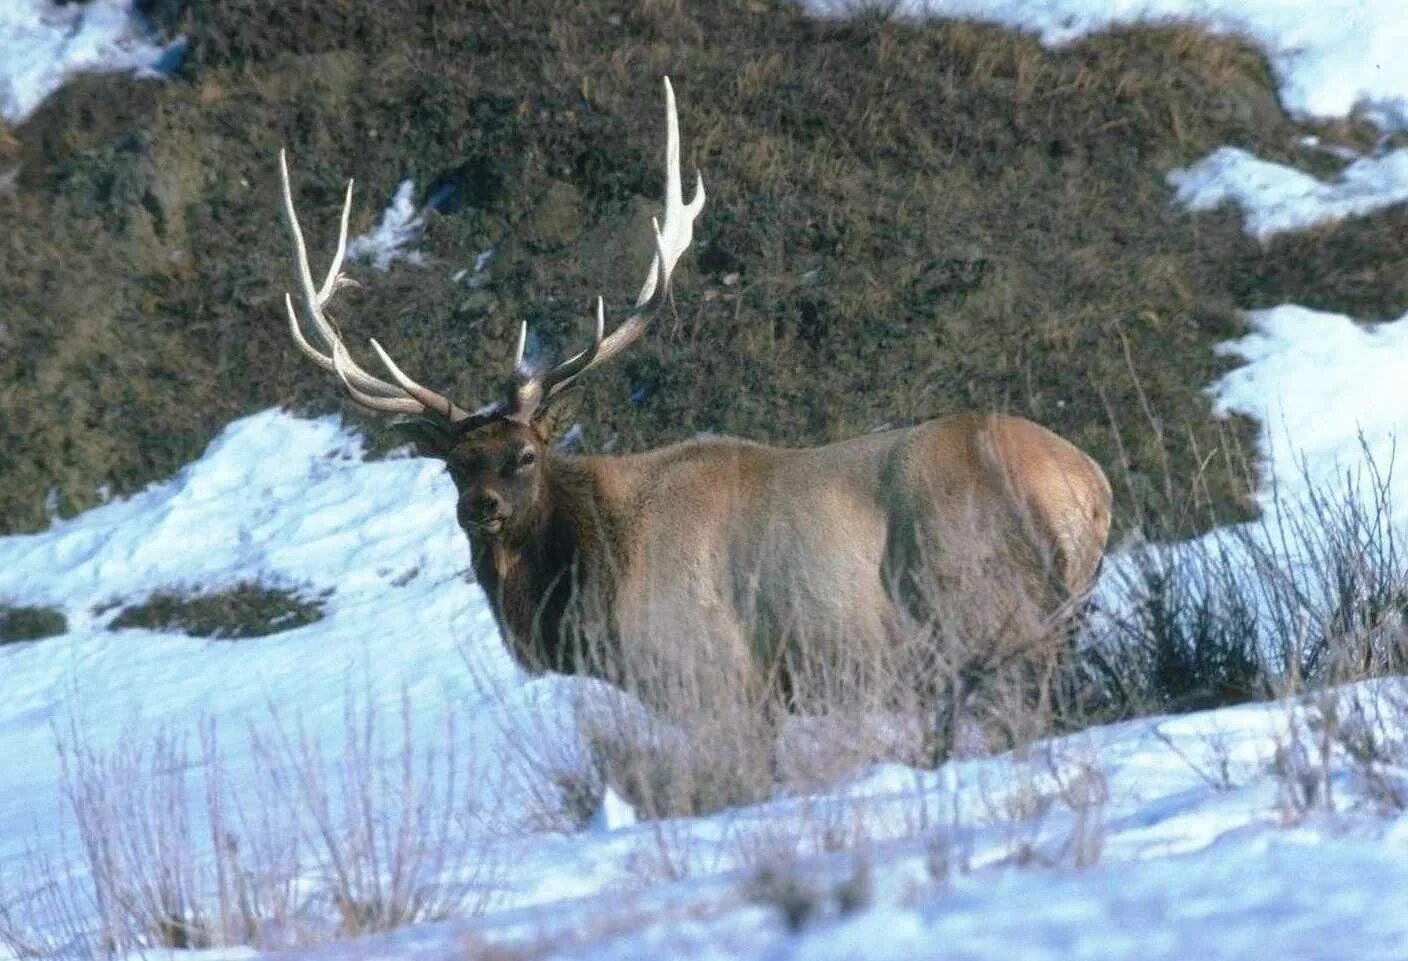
(1188,849)
(1227,834)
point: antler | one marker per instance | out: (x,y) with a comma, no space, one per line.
(671,241)
(403,397)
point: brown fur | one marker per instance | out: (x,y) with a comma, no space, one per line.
(720,548)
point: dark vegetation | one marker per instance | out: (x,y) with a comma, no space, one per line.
(1308,601)
(248,609)
(30,623)
(904,221)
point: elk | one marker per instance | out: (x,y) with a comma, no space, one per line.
(963,520)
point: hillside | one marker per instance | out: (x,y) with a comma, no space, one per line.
(905,221)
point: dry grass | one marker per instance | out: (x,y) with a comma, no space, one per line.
(1310,597)
(799,897)
(176,848)
(1344,747)
(689,721)
(1303,602)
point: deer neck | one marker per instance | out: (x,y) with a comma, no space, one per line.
(531,576)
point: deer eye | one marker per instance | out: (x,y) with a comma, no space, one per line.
(527,457)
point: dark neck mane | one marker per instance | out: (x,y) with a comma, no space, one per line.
(531,578)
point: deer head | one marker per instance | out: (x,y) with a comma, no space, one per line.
(495,454)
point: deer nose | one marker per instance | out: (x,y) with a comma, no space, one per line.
(483,507)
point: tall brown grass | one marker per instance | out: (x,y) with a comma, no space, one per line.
(1311,595)
(179,847)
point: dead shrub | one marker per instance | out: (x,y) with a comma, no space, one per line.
(30,623)
(687,723)
(246,609)
(1355,730)
(178,849)
(1313,594)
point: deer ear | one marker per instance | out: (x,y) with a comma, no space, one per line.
(556,416)
(430,436)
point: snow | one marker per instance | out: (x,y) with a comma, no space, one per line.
(274,496)
(277,499)
(1325,391)
(614,812)
(1278,199)
(42,44)
(401,225)
(1285,899)
(1330,59)
(1194,855)
(1184,841)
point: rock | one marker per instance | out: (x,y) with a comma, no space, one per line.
(617,251)
(614,812)
(556,221)
(553,226)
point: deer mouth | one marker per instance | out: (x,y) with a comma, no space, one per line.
(491,525)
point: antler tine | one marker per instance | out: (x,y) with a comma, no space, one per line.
(343,366)
(405,396)
(330,282)
(522,346)
(679,233)
(671,241)
(315,299)
(424,395)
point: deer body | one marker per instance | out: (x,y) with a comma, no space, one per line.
(738,547)
(975,529)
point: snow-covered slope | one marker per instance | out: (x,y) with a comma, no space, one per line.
(276,499)
(1164,838)
(1152,839)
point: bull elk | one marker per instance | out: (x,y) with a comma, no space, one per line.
(959,519)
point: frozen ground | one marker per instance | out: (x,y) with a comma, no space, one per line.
(1189,865)
(1162,838)
(1192,843)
